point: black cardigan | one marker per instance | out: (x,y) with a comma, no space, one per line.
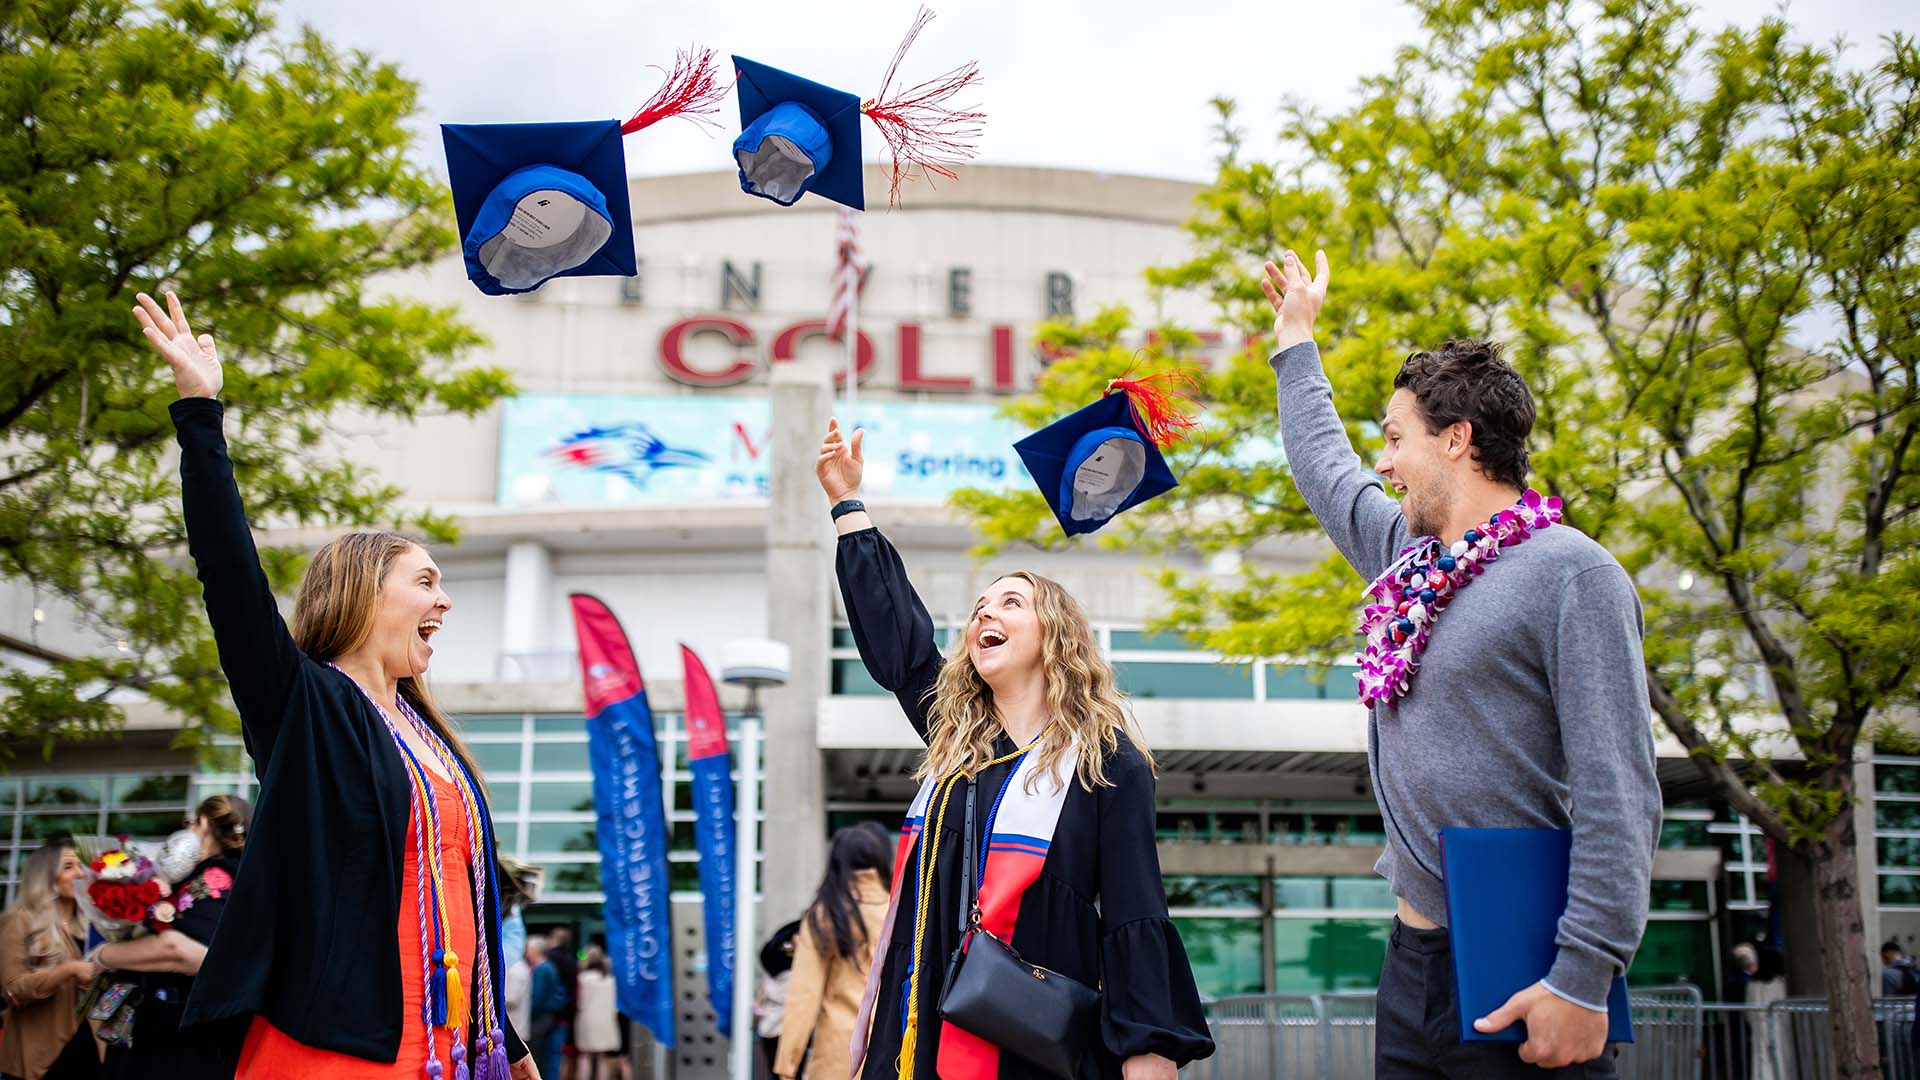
(310,941)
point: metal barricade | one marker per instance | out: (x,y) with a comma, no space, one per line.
(1261,1035)
(1346,1034)
(1667,1033)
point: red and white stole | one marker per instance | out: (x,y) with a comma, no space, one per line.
(1022,826)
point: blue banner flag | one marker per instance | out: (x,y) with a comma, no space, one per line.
(629,819)
(713,830)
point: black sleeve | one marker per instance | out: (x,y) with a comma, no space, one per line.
(515,1048)
(1150,1004)
(891,626)
(256,651)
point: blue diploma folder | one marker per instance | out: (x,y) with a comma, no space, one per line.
(1506,891)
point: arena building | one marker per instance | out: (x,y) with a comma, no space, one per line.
(660,457)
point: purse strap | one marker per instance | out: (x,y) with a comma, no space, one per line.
(969,879)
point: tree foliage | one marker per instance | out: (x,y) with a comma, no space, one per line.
(266,177)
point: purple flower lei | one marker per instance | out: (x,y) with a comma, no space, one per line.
(1404,603)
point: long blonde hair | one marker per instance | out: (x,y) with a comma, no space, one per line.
(333,616)
(1083,699)
(38,901)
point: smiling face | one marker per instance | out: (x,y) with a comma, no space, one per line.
(70,870)
(409,610)
(1004,634)
(1418,464)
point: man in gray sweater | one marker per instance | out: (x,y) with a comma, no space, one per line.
(1528,703)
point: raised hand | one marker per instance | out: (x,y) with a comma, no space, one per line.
(196,365)
(1296,298)
(840,464)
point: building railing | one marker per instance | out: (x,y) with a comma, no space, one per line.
(1678,1037)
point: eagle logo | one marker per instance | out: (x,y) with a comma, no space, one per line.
(628,450)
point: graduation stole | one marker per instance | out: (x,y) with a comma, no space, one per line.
(1016,833)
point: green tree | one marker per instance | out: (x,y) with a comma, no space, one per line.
(184,143)
(1699,250)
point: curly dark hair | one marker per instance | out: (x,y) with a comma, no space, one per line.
(1467,380)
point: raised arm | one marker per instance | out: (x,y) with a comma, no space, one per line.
(256,651)
(890,625)
(1347,499)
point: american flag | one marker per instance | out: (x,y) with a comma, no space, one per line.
(849,276)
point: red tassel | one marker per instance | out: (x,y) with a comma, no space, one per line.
(920,128)
(693,90)
(1161,405)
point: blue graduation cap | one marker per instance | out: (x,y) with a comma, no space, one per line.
(799,136)
(540,201)
(1105,458)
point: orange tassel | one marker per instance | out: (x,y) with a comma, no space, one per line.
(456,994)
(1161,401)
(692,90)
(920,128)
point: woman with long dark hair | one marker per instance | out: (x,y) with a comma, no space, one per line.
(832,954)
(43,973)
(1027,734)
(368,947)
(164,964)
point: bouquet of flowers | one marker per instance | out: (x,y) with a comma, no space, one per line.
(127,891)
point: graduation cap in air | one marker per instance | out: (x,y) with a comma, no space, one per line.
(540,201)
(1105,458)
(799,136)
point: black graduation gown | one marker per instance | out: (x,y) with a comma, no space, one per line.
(161,1051)
(1097,912)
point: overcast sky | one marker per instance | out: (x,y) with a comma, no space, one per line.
(1119,86)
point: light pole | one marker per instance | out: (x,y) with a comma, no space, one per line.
(752,664)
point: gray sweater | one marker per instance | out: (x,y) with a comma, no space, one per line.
(1529,709)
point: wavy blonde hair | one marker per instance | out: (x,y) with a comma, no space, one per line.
(1083,699)
(38,902)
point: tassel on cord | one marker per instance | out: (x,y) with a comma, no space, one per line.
(693,90)
(456,994)
(1161,402)
(437,988)
(920,128)
(459,1054)
(494,1065)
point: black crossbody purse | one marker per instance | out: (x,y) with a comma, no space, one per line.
(993,992)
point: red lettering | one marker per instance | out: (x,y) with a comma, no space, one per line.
(910,376)
(1003,359)
(673,351)
(786,347)
(746,439)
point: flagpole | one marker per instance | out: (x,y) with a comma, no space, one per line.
(853,344)
(746,846)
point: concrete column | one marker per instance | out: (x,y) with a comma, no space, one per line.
(799,613)
(524,609)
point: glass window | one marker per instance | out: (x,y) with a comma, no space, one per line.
(1131,640)
(63,791)
(503,798)
(1197,891)
(146,824)
(1359,829)
(684,876)
(574,795)
(9,794)
(1899,889)
(496,758)
(1362,894)
(1311,956)
(560,725)
(1231,828)
(850,676)
(561,836)
(1899,779)
(1225,954)
(1900,852)
(1145,679)
(572,878)
(141,790)
(1737,889)
(1684,833)
(843,637)
(1186,826)
(38,827)
(488,725)
(1896,815)
(1674,951)
(559,757)
(1679,896)
(1300,892)
(681,837)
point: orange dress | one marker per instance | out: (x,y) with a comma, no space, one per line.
(270,1054)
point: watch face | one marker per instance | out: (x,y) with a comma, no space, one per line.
(1106,477)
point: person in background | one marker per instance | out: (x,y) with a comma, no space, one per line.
(832,955)
(43,973)
(770,996)
(164,964)
(596,1024)
(519,986)
(567,962)
(1899,978)
(550,999)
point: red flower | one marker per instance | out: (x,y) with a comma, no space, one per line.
(216,878)
(148,892)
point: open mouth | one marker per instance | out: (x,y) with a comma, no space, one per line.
(990,639)
(428,629)
(1399,488)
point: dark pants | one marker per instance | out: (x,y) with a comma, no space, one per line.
(540,1043)
(1418,1026)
